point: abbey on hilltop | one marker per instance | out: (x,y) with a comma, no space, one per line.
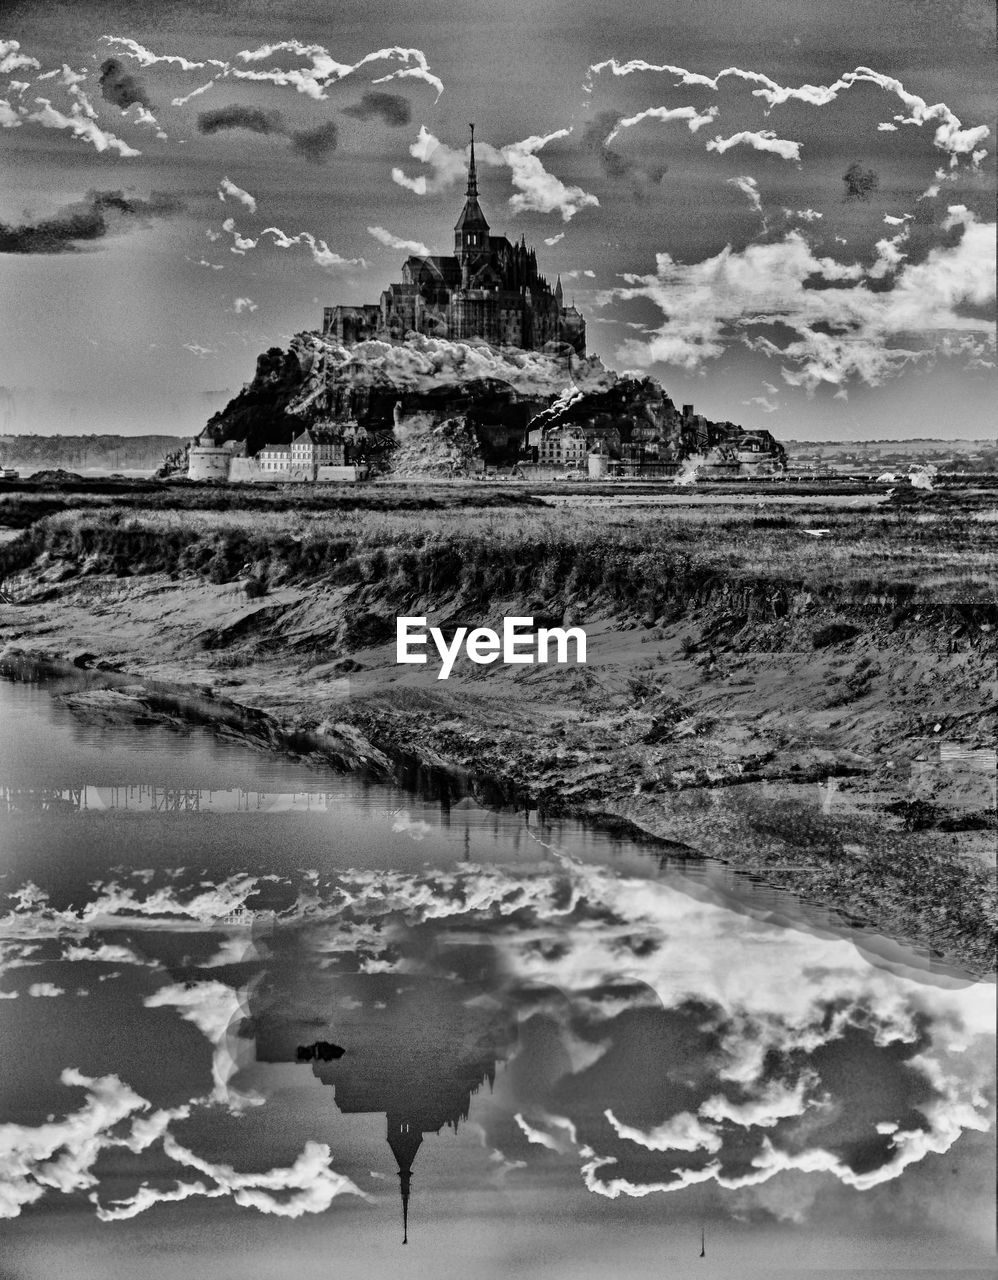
(489,290)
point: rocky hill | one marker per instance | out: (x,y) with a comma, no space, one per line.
(489,399)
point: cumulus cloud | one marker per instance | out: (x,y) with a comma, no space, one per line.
(45,989)
(59,1155)
(243,304)
(842,329)
(391,108)
(536,189)
(101,213)
(9,119)
(12,59)
(396,242)
(120,87)
(228,188)
(549,240)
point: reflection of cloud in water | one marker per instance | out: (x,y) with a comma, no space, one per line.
(665,1040)
(415,828)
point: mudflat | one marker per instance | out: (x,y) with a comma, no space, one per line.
(800,684)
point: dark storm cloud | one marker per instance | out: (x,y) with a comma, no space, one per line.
(392,108)
(94,217)
(237,117)
(119,87)
(315,144)
(615,165)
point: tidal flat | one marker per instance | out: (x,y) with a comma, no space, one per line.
(800,685)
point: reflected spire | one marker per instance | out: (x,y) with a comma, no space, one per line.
(404,1138)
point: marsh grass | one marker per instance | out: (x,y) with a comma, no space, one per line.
(650,562)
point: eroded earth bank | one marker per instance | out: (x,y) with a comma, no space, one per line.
(800,686)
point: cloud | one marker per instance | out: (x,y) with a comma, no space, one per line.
(120,87)
(391,108)
(949,136)
(217,1011)
(842,329)
(12,59)
(228,188)
(761,140)
(104,953)
(9,119)
(596,139)
(549,240)
(323,70)
(198,351)
(101,213)
(309,1185)
(240,244)
(132,49)
(234,116)
(60,1155)
(536,190)
(45,989)
(682,1132)
(693,118)
(395,242)
(316,144)
(750,188)
(81,126)
(243,304)
(322,255)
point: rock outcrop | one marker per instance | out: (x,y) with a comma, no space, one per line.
(468,404)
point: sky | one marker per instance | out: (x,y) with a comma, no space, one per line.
(783,213)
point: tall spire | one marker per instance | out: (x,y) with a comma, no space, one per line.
(472,174)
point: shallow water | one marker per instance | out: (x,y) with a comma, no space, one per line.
(252,1006)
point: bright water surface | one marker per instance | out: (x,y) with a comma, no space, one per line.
(253,1010)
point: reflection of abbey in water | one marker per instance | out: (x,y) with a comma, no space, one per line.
(415,1048)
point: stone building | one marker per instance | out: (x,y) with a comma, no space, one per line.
(316,448)
(489,289)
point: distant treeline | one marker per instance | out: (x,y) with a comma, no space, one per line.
(79,453)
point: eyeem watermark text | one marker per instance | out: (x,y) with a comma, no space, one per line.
(518,645)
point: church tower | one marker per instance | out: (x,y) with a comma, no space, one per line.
(471,231)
